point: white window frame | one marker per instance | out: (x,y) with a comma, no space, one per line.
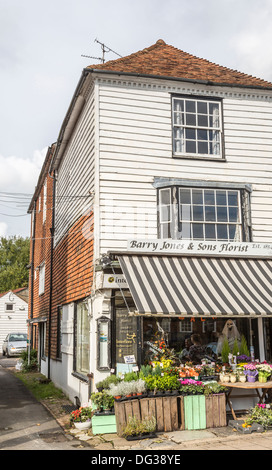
(41,278)
(182,127)
(217,223)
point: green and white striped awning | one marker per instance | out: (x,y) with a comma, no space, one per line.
(179,285)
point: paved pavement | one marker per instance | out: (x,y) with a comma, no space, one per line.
(25,424)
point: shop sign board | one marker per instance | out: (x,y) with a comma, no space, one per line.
(114,281)
(200,248)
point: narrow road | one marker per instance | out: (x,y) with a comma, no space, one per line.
(24,423)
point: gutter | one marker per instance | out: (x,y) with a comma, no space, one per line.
(69,122)
(178,79)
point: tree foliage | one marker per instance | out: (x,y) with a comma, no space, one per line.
(14,258)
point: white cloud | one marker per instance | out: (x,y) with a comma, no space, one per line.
(21,174)
(18,178)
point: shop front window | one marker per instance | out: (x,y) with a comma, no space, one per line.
(175,340)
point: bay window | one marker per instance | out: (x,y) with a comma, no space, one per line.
(204,213)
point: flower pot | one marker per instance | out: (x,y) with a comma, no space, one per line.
(83,426)
(251,378)
(242,378)
(232,378)
(262,378)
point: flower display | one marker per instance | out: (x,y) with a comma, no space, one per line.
(264,369)
(250,366)
(83,414)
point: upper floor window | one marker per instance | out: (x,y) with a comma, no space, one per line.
(204,213)
(197,127)
(41,278)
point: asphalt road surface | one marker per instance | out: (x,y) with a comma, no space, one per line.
(24,422)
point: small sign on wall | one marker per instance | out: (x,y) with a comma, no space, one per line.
(114,281)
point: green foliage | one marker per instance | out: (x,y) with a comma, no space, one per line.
(129,376)
(105,384)
(225,351)
(243,347)
(39,386)
(135,426)
(214,387)
(235,349)
(102,400)
(32,363)
(14,258)
(165,382)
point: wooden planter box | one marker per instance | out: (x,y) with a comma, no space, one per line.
(168,412)
(104,424)
(194,412)
(216,415)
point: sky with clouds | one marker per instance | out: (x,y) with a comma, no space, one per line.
(41,48)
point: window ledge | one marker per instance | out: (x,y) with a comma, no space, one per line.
(81,377)
(198,157)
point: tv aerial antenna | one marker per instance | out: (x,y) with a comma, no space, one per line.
(105,49)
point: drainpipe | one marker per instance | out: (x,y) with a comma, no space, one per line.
(33,229)
(52,231)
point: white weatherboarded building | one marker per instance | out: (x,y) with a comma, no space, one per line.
(170,147)
(13,313)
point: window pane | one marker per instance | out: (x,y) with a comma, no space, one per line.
(202,120)
(190,106)
(210,213)
(233,198)
(198,213)
(185,196)
(222,232)
(210,232)
(202,107)
(233,214)
(165,196)
(222,214)
(197,196)
(185,212)
(190,146)
(198,231)
(209,197)
(190,119)
(165,213)
(82,339)
(221,198)
(185,230)
(203,147)
(190,134)
(234,233)
(202,135)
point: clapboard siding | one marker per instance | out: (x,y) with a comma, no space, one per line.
(135,145)
(76,175)
(15,321)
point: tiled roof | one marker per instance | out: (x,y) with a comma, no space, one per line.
(164,60)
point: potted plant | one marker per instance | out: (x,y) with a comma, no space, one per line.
(250,371)
(139,429)
(81,418)
(260,414)
(103,401)
(264,371)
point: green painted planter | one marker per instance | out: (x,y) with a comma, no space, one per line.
(194,412)
(104,424)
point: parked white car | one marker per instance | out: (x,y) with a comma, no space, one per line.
(14,344)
